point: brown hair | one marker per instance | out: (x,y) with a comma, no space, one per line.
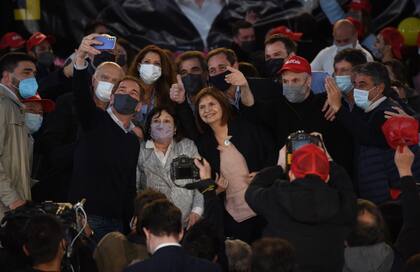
(289,44)
(131,78)
(191,55)
(220,97)
(229,53)
(163,84)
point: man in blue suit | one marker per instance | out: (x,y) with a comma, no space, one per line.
(161,223)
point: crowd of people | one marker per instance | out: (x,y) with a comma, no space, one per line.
(108,126)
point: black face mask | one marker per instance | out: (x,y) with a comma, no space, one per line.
(122,60)
(125,104)
(219,81)
(193,83)
(248,46)
(46,58)
(272,66)
(104,56)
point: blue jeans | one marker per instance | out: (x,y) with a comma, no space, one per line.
(102,226)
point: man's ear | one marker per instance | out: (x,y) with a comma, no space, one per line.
(236,65)
(181,234)
(381,88)
(328,179)
(138,107)
(291,176)
(25,250)
(146,233)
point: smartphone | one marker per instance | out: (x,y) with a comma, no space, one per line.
(108,42)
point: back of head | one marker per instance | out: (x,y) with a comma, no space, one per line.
(238,254)
(310,160)
(272,255)
(161,218)
(201,241)
(370,225)
(44,237)
(143,198)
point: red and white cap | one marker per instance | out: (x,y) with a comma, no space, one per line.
(282,30)
(296,64)
(37,38)
(13,40)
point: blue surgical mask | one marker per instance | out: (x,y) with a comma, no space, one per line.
(27,87)
(344,83)
(33,121)
(361,98)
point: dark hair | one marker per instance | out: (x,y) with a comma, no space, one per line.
(44,234)
(161,217)
(364,234)
(248,69)
(127,47)
(272,255)
(377,71)
(158,111)
(10,61)
(239,255)
(142,199)
(229,53)
(201,241)
(90,27)
(131,78)
(398,69)
(291,46)
(240,25)
(165,81)
(221,98)
(351,55)
(191,55)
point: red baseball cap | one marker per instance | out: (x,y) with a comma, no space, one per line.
(282,30)
(13,40)
(362,5)
(401,130)
(394,38)
(37,38)
(296,64)
(47,104)
(310,160)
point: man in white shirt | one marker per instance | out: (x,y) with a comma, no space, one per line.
(345,36)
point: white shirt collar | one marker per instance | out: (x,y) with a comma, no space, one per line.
(159,154)
(165,245)
(118,122)
(375,104)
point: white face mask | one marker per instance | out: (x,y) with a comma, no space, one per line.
(103,91)
(33,121)
(149,73)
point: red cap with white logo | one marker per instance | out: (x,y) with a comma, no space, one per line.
(296,64)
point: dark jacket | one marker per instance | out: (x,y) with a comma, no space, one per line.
(105,158)
(314,216)
(171,259)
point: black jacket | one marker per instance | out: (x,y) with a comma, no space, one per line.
(173,259)
(314,216)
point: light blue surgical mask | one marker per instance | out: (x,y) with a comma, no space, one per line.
(33,121)
(344,83)
(27,87)
(361,98)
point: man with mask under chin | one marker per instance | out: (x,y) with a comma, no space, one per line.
(107,150)
(345,36)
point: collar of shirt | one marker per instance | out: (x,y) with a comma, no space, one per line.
(165,245)
(159,154)
(375,104)
(237,98)
(12,95)
(118,122)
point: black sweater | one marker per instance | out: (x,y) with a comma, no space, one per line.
(105,158)
(314,216)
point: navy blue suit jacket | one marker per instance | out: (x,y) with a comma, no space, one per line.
(173,259)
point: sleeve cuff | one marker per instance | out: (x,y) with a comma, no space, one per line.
(83,67)
(198,210)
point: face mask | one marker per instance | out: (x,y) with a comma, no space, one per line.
(161,132)
(27,87)
(219,81)
(149,73)
(342,47)
(122,60)
(193,83)
(361,98)
(104,56)
(377,53)
(46,58)
(103,91)
(344,83)
(125,104)
(294,93)
(272,66)
(33,122)
(248,46)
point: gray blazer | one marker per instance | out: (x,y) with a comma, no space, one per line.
(152,174)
